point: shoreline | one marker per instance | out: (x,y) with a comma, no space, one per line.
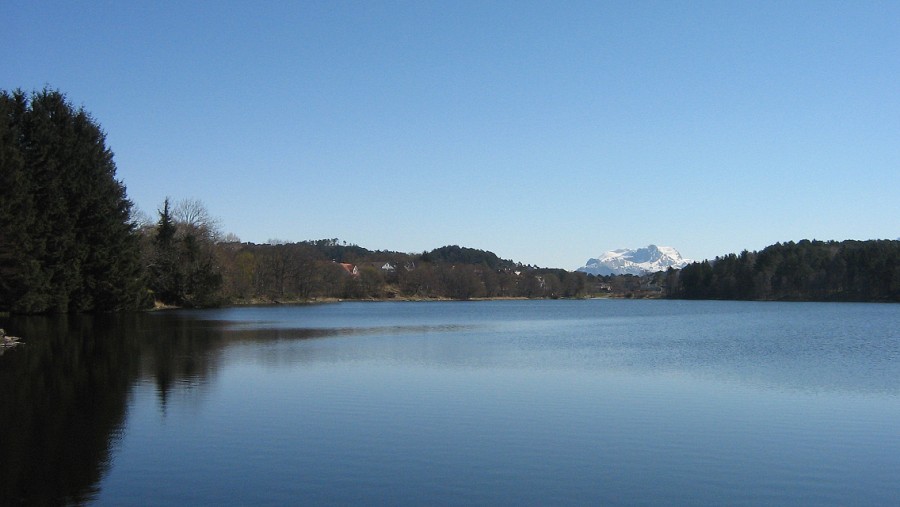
(324,301)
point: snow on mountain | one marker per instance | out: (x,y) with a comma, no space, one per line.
(635,262)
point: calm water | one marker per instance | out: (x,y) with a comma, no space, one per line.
(485,403)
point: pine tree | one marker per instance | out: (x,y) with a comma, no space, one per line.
(22,282)
(68,244)
(165,276)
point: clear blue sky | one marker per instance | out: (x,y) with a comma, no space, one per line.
(547,132)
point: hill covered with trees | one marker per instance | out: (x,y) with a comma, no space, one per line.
(327,269)
(806,270)
(190,263)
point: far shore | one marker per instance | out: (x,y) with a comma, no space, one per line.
(158,306)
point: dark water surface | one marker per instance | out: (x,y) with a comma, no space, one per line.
(485,403)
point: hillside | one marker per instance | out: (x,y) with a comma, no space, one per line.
(807,270)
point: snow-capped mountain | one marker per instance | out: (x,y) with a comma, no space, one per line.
(635,262)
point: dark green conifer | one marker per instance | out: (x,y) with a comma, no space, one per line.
(68,244)
(165,275)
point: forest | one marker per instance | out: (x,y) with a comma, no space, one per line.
(70,241)
(190,263)
(329,269)
(802,271)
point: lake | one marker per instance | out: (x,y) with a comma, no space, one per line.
(601,402)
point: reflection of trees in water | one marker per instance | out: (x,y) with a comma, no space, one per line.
(65,392)
(64,400)
(178,353)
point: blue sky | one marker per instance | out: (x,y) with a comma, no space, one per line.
(547,132)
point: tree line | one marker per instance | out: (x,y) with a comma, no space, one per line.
(806,270)
(70,241)
(189,262)
(329,269)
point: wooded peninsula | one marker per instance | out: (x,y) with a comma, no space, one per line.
(70,242)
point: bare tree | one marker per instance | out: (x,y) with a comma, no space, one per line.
(192,214)
(139,218)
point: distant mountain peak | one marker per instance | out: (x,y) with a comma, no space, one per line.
(625,261)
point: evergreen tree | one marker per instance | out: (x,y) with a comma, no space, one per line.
(68,243)
(22,282)
(165,275)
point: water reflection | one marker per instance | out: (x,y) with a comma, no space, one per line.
(66,392)
(64,401)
